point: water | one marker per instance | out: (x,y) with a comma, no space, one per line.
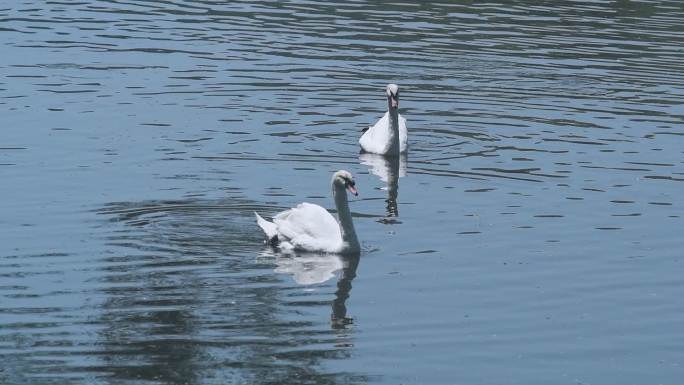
(531,236)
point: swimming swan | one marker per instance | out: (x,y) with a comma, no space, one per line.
(389,135)
(310,227)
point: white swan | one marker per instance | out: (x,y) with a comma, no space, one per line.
(389,135)
(310,227)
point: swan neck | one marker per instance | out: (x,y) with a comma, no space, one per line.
(344,218)
(394,130)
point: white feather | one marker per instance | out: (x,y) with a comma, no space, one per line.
(310,227)
(377,138)
(269,227)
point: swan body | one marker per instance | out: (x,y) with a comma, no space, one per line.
(305,227)
(378,137)
(389,135)
(310,227)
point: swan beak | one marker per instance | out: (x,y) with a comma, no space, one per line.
(394,101)
(353,190)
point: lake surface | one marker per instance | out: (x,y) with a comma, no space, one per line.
(533,234)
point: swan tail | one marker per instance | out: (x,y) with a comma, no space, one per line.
(268,227)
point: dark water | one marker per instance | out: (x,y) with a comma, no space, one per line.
(531,236)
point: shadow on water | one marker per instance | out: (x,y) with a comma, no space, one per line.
(389,169)
(315,268)
(305,268)
(188,297)
(339,317)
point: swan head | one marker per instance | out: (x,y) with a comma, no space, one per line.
(344,179)
(392,95)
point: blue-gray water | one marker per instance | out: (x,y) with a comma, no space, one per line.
(538,237)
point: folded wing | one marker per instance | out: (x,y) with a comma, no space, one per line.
(309,227)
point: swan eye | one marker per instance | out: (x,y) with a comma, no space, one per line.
(348,182)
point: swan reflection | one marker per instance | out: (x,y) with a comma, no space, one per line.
(308,268)
(389,169)
(338,318)
(312,268)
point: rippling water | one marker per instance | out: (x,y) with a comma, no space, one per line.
(531,236)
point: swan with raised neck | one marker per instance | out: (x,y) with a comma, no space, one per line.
(393,110)
(343,181)
(310,227)
(389,135)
